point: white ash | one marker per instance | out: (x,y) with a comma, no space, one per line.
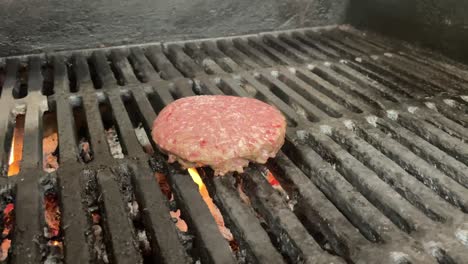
(114,144)
(299,110)
(433,247)
(372,119)
(343,61)
(249,89)
(325,129)
(392,114)
(412,109)
(241,256)
(374,57)
(208,64)
(143,241)
(19,110)
(274,74)
(143,139)
(349,124)
(327,64)
(399,257)
(99,246)
(216,80)
(464,98)
(292,70)
(388,54)
(450,102)
(133,207)
(85,150)
(301,134)
(462,234)
(358,59)
(431,105)
(292,204)
(310,66)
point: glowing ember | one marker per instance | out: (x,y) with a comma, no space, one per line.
(163,184)
(52,214)
(166,190)
(16,151)
(7,228)
(180,224)
(4,247)
(8,219)
(271,179)
(49,149)
(211,206)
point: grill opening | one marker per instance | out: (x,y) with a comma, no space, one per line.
(214,210)
(100,248)
(72,77)
(117,73)
(156,101)
(21,88)
(52,244)
(7,209)
(137,67)
(183,232)
(125,178)
(138,124)
(112,131)
(47,70)
(97,82)
(50,147)
(2,78)
(16,147)
(82,133)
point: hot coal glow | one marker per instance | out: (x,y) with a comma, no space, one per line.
(211,206)
(16,151)
(50,142)
(8,221)
(166,190)
(52,215)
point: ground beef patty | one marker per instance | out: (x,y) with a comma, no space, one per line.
(223,132)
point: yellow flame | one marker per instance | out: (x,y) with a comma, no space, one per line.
(12,152)
(196,178)
(211,206)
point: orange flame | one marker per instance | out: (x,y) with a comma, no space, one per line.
(211,206)
(16,151)
(271,179)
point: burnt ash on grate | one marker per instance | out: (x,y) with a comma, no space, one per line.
(373,168)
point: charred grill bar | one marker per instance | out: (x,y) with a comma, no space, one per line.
(374,166)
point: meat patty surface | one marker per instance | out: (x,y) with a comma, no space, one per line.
(223,132)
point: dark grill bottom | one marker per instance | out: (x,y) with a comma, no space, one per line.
(374,168)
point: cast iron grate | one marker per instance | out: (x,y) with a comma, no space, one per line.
(373,169)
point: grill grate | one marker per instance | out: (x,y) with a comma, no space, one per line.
(373,168)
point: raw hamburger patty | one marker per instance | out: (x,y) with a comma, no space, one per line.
(223,132)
